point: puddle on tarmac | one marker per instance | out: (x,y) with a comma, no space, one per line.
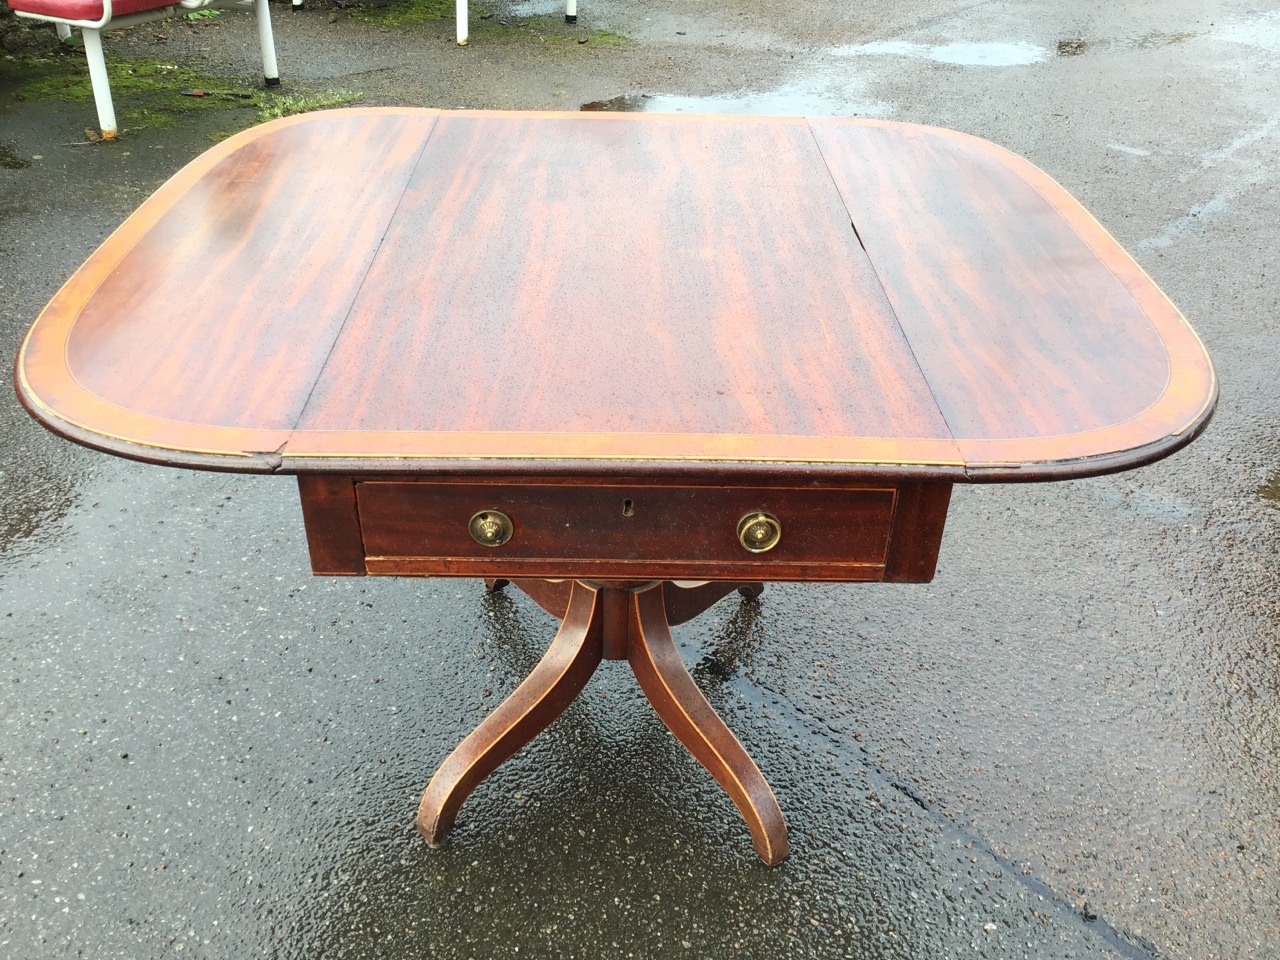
(1151,504)
(1010,54)
(1263,31)
(1131,151)
(627,103)
(33,512)
(1153,41)
(1271,489)
(10,160)
(41,482)
(793,100)
(1075,46)
(959,54)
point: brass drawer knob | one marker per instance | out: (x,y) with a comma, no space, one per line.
(758,532)
(491,528)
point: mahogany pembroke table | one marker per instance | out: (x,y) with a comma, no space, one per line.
(627,363)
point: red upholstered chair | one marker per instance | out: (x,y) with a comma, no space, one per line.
(94,16)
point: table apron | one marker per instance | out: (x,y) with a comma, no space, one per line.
(852,531)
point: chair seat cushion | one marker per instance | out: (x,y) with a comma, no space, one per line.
(85,9)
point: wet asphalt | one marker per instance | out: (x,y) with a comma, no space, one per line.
(1065,746)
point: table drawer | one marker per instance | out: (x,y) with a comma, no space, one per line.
(624,531)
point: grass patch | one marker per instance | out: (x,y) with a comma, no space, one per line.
(153,94)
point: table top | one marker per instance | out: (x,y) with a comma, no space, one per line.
(415,291)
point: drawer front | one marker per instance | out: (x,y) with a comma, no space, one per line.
(624,531)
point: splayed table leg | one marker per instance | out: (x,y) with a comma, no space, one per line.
(554,683)
(612,620)
(687,714)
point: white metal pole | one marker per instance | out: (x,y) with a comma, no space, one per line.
(98,79)
(570,11)
(462,23)
(270,72)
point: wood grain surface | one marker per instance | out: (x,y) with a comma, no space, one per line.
(412,291)
(1075,346)
(631,279)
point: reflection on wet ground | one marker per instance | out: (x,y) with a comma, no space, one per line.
(1131,151)
(10,160)
(600,815)
(835,93)
(535,8)
(626,103)
(1271,489)
(958,54)
(1261,31)
(792,100)
(1152,503)
(1007,54)
(31,510)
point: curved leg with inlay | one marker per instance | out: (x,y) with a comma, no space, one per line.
(557,679)
(687,714)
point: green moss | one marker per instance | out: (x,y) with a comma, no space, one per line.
(608,38)
(153,94)
(272,106)
(553,29)
(404,13)
(553,34)
(67,79)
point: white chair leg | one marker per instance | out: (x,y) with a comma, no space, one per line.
(270,72)
(462,23)
(570,11)
(64,32)
(98,78)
